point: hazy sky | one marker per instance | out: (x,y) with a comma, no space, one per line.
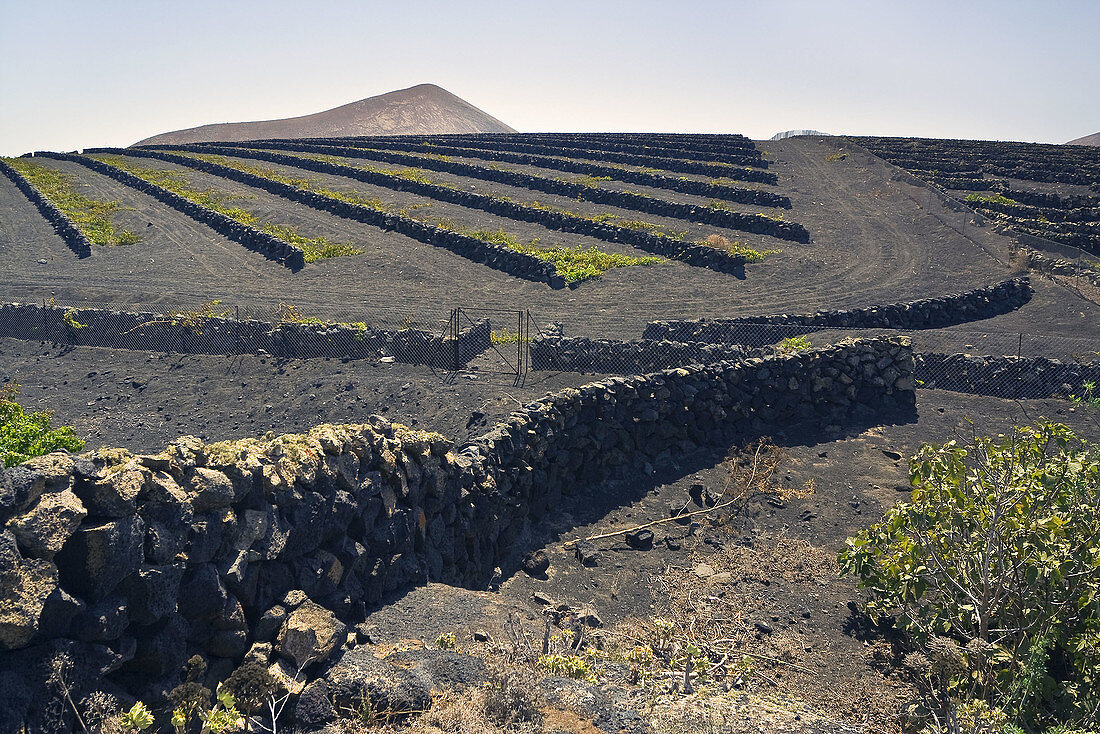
(110,72)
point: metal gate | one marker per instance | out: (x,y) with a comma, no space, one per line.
(491,341)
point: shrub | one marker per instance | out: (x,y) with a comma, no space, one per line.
(794,344)
(26,435)
(751,255)
(999,548)
(251,685)
(568,666)
(991,199)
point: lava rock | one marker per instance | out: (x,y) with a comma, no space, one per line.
(25,585)
(309,634)
(640,539)
(586,553)
(535,564)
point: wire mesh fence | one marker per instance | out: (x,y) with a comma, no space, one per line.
(514,342)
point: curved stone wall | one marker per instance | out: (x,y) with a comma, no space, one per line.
(137,562)
(925,313)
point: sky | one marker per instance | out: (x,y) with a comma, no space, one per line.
(110,72)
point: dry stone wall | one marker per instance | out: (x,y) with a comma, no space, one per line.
(197,333)
(581,354)
(672,183)
(133,563)
(699,255)
(1006,377)
(926,313)
(495,256)
(69,232)
(252,238)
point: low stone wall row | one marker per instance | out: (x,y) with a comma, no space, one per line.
(623,199)
(581,354)
(925,313)
(677,146)
(617,172)
(270,247)
(133,563)
(571,165)
(68,231)
(656,152)
(1052,200)
(206,334)
(1006,377)
(678,165)
(494,256)
(1027,211)
(692,254)
(1001,377)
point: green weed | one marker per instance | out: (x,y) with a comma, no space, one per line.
(991,199)
(577,263)
(794,344)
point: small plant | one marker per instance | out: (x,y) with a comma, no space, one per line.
(793,344)
(568,666)
(576,263)
(1087,399)
(990,199)
(447,641)
(591,182)
(224,716)
(751,255)
(69,317)
(138,718)
(26,435)
(290,314)
(506,336)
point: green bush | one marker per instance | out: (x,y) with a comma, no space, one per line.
(794,344)
(998,550)
(26,435)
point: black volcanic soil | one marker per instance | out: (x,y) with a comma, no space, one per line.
(142,401)
(780,561)
(872,244)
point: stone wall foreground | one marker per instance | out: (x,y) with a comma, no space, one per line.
(133,563)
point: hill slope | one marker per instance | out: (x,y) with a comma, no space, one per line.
(419,110)
(1093,139)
